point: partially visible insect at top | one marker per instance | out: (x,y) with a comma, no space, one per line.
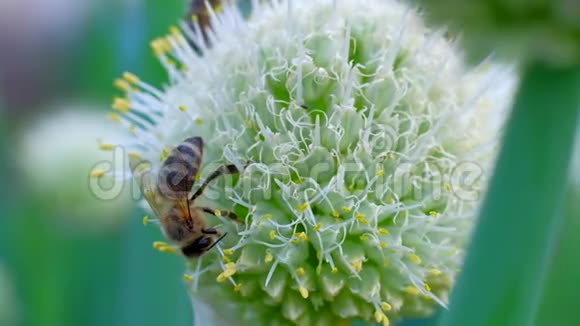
(182,222)
(199,17)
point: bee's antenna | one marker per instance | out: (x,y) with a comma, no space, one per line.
(217,241)
(188,203)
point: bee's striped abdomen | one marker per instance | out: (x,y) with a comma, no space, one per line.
(178,172)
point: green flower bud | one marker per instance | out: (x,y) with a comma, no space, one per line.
(363,144)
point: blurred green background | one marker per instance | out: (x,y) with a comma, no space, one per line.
(63,55)
(62,265)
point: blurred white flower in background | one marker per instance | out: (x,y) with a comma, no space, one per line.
(56,156)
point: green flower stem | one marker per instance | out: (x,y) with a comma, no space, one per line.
(560,297)
(504,271)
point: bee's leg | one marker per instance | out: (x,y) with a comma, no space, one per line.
(217,212)
(222,170)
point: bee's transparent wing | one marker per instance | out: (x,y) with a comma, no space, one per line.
(146,180)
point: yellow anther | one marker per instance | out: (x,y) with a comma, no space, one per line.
(385,306)
(231,266)
(380,173)
(217,212)
(182,108)
(335,214)
(301,236)
(97,173)
(106,147)
(134,155)
(357,265)
(131,78)
(361,218)
(383,231)
(447,187)
(383,244)
(317,227)
(222,277)
(217,9)
(121,104)
(364,237)
(411,290)
(302,207)
(187,277)
(229,272)
(415,259)
(266,216)
(145,220)
(386,321)
(238,287)
(174,30)
(272,235)
(300,271)
(427,287)
(164,154)
(346,209)
(228,252)
(269,258)
(435,272)
(114,117)
(334,270)
(303,292)
(160,46)
(198,121)
(159,244)
(167,249)
(433,213)
(379,315)
(226,259)
(122,85)
(194,18)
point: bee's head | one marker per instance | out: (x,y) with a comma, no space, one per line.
(198,247)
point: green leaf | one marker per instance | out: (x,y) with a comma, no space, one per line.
(561,296)
(506,263)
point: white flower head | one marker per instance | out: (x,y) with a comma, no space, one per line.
(368,142)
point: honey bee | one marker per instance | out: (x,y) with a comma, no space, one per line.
(182,222)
